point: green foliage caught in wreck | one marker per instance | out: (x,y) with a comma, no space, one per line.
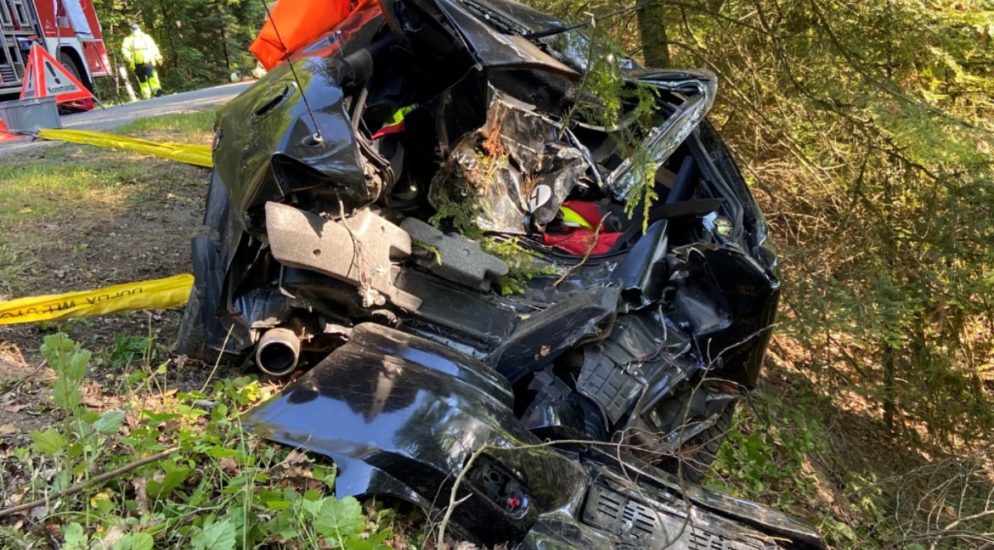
(625,108)
(522,264)
(866,130)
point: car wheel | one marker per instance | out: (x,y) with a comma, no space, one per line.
(191,337)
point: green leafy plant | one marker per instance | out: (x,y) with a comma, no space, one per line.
(128,349)
(214,535)
(214,487)
(625,107)
(523,264)
(767,450)
(70,362)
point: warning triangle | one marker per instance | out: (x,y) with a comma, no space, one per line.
(28,88)
(47,77)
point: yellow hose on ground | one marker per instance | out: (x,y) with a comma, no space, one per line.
(155,294)
(197,155)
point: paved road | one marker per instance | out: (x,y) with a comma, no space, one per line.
(119,115)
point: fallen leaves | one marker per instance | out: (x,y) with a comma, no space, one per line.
(295,471)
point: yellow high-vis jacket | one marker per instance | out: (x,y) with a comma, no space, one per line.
(139,48)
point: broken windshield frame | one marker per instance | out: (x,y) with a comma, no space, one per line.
(699,88)
(574,48)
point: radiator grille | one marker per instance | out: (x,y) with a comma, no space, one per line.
(638,522)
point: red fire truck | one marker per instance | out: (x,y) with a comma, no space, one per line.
(68,29)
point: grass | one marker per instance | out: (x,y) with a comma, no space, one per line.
(47,189)
(69,173)
(209,483)
(196,127)
(67,188)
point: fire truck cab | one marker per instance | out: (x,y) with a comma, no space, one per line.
(68,29)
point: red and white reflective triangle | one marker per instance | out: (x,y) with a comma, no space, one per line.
(47,77)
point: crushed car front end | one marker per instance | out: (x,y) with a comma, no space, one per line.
(425,209)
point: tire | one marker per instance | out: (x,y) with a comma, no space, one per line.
(191,336)
(201,333)
(69,63)
(698,453)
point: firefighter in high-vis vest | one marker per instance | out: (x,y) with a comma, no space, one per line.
(142,54)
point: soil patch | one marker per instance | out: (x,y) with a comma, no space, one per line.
(137,224)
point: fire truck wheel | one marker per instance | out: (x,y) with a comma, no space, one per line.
(69,63)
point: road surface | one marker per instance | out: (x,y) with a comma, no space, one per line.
(119,115)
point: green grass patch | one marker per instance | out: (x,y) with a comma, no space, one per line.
(43,187)
(70,177)
(67,179)
(196,127)
(51,196)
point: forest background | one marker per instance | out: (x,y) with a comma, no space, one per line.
(866,132)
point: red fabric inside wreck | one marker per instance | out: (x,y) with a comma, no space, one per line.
(298,23)
(581,241)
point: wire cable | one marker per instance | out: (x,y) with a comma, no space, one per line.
(307,105)
(559,30)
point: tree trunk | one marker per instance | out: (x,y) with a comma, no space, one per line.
(889,362)
(652,27)
(224,48)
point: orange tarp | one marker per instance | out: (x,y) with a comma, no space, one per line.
(298,22)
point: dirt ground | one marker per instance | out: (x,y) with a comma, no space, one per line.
(146,238)
(145,235)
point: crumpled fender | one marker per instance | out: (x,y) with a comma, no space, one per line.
(401,416)
(265,139)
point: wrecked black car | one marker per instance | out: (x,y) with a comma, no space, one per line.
(424,211)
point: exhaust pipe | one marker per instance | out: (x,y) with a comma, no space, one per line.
(277,352)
